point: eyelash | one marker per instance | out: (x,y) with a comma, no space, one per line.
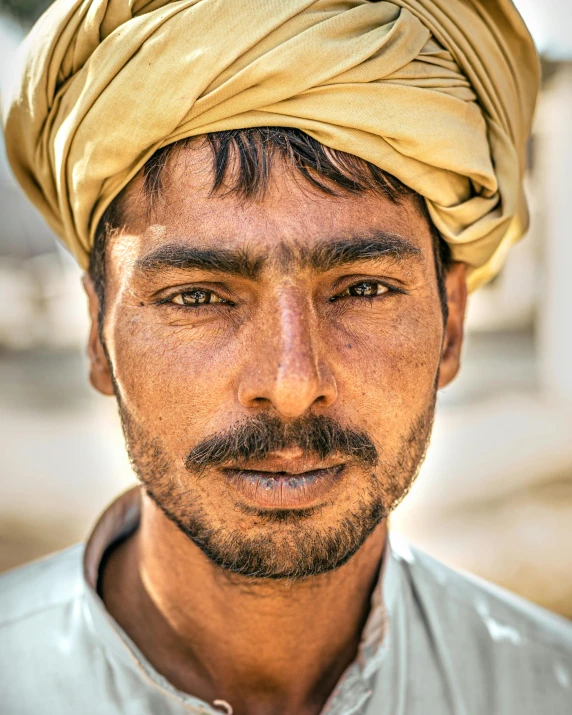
(388,289)
(340,296)
(169,299)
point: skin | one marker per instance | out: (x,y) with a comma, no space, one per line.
(279,346)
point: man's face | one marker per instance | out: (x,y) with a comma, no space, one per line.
(275,362)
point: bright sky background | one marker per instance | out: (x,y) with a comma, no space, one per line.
(550,22)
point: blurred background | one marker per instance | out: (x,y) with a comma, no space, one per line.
(495,494)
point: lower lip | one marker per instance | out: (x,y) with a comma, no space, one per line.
(284,491)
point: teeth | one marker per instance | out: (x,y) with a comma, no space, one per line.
(271,483)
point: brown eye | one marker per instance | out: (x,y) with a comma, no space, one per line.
(197,297)
(365,289)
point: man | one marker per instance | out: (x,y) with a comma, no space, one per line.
(279,207)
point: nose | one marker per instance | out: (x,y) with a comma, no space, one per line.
(288,369)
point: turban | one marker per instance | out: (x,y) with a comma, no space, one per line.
(439,93)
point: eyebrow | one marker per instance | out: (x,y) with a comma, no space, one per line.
(345,250)
(182,257)
(375,245)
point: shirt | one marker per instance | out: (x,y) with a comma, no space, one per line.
(436,642)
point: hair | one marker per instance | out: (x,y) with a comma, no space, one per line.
(242,161)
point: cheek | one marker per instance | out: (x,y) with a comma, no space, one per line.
(181,383)
(387,365)
(172,379)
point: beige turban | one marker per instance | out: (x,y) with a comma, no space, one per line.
(439,93)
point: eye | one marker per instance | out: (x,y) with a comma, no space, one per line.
(363,289)
(196,297)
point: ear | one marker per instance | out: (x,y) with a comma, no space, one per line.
(456,286)
(99,371)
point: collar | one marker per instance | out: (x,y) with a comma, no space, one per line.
(122,518)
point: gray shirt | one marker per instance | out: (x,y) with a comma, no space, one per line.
(436,642)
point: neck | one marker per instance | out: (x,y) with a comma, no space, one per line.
(263,646)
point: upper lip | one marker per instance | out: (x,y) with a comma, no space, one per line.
(284,465)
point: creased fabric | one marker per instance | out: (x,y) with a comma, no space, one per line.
(435,642)
(440,93)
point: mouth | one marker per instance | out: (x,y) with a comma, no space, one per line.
(295,485)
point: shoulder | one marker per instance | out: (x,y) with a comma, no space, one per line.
(46,650)
(490,642)
(503,615)
(40,587)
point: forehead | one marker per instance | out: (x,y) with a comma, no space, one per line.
(285,220)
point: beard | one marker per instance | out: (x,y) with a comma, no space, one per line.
(290,544)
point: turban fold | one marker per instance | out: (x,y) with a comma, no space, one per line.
(439,93)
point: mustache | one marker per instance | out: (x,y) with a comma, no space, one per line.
(316,435)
